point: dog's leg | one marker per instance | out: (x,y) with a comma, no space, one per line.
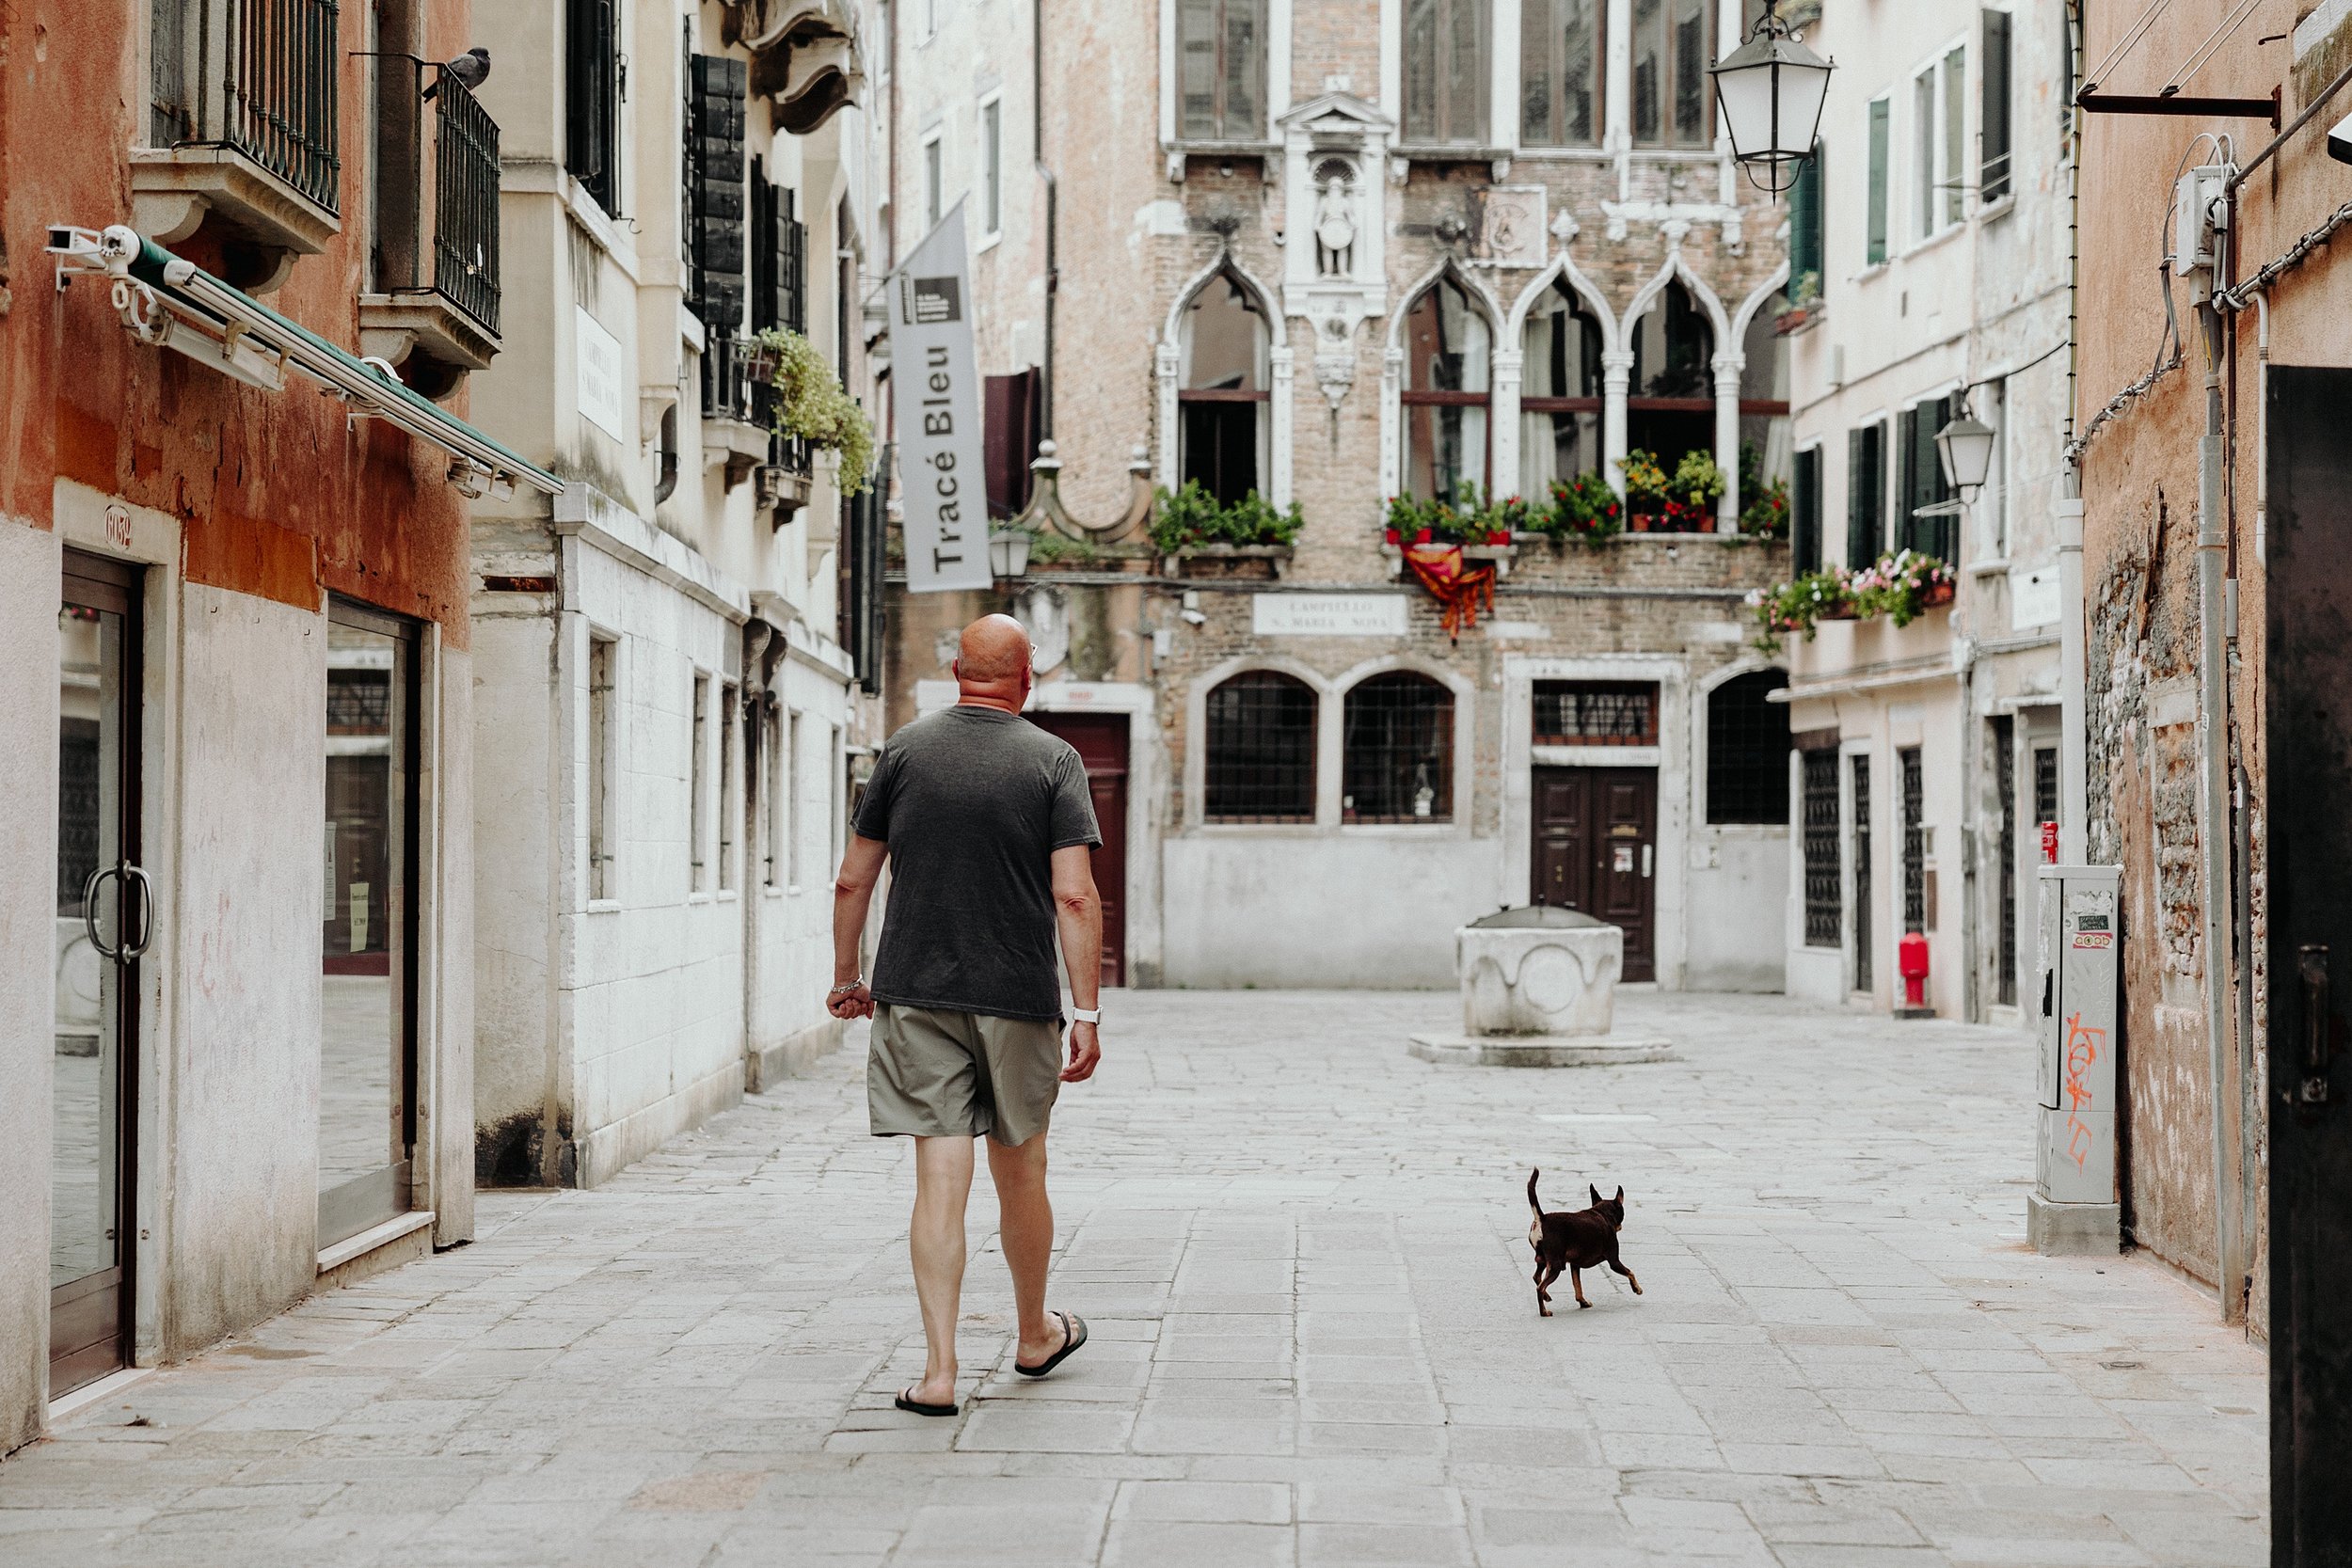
(1616,1263)
(1543,1297)
(1576,1281)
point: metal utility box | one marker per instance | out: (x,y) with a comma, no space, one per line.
(2076,1207)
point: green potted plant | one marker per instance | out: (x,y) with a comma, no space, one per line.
(812,405)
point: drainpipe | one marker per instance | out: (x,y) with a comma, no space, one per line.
(2073,614)
(2250,1111)
(2213,789)
(1053,213)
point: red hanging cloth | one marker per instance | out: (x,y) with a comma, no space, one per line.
(1453,582)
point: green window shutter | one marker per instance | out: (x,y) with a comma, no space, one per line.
(1805,272)
(1993,82)
(1907,478)
(1877,252)
(1804,513)
(1864,489)
(714,125)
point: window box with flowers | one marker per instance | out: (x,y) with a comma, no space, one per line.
(812,407)
(1899,588)
(1485,530)
(1763,503)
(1680,502)
(1196,536)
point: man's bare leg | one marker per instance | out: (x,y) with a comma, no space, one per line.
(943,1184)
(1026,1227)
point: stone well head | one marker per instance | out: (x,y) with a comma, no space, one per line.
(1538,970)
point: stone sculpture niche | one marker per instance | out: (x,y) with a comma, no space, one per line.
(1539,988)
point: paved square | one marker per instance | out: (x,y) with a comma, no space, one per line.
(1303,1255)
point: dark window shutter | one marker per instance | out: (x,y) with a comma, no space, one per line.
(792,262)
(1807,277)
(592,99)
(1864,487)
(715,125)
(1907,478)
(766,299)
(1994,82)
(1009,425)
(1804,520)
(1877,251)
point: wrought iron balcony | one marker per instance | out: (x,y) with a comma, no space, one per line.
(739,423)
(243,97)
(437,191)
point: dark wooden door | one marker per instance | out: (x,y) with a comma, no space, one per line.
(1596,849)
(1101,742)
(2308,592)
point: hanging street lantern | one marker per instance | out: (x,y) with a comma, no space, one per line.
(1965,449)
(1771,88)
(1008,553)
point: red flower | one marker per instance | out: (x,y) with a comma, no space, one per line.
(1394,536)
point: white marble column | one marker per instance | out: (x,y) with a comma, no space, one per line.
(1616,373)
(1727,369)
(1503,424)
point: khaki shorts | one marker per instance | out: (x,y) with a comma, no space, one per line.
(933,1073)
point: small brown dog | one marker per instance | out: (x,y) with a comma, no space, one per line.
(1576,1242)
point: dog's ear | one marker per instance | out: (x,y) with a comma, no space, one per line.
(1596,1192)
(1620,1197)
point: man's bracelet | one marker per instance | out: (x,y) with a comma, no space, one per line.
(1086,1015)
(845,987)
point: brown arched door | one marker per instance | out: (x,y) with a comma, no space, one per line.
(1101,742)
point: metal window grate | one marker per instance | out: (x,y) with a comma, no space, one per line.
(716,86)
(1914,841)
(1824,911)
(1398,751)
(1747,750)
(2045,783)
(358,702)
(1862,956)
(2005,790)
(465,204)
(1595,713)
(1260,750)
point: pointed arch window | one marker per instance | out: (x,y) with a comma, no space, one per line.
(1559,400)
(1670,406)
(1765,430)
(1448,360)
(1222,391)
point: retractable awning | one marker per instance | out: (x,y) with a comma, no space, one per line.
(173,303)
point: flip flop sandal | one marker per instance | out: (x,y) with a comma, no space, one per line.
(918,1407)
(1074,1333)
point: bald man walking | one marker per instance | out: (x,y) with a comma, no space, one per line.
(989,830)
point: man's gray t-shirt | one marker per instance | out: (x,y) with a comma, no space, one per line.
(973,802)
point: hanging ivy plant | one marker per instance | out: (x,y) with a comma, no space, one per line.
(812,405)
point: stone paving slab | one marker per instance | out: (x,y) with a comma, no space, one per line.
(1303,1256)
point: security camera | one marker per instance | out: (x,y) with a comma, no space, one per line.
(1195,618)
(2340,140)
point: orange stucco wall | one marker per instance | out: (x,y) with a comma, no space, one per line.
(279,493)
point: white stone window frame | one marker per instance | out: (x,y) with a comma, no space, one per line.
(1616,90)
(1331,747)
(1952,163)
(1276,96)
(931,170)
(1882,950)
(992,165)
(1672,758)
(1167,367)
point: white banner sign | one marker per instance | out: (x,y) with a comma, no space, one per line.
(942,485)
(1327,614)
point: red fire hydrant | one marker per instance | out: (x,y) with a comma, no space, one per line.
(1911,956)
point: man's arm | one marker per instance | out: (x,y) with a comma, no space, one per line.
(1079,912)
(853,897)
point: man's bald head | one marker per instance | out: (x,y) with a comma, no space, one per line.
(995,652)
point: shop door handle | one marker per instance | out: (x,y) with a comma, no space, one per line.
(2311,962)
(138,874)
(89,911)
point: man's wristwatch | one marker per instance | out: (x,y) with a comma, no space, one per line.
(1086,1015)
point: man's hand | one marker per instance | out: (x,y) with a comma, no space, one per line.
(1086,1051)
(849,1000)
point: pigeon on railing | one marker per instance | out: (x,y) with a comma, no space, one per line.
(471,69)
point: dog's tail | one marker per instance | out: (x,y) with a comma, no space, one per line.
(1531,1190)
